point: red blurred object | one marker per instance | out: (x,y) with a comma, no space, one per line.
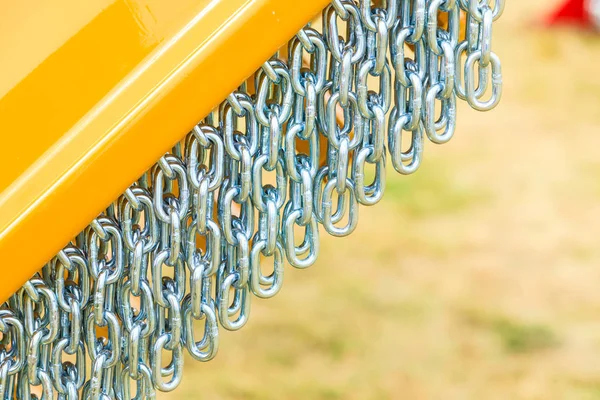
(572,12)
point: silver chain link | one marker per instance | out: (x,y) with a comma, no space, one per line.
(183,250)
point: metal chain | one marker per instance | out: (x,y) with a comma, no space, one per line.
(187,245)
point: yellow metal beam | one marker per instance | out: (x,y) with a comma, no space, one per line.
(97,91)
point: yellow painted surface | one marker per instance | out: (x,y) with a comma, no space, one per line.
(98,90)
(64,58)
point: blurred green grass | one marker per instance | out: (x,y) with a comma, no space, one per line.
(432,191)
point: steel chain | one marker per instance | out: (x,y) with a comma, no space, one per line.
(185,247)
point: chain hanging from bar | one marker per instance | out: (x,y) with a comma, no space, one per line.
(186,246)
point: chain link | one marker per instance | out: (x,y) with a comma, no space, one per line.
(187,245)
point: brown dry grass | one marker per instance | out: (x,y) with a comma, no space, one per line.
(476,278)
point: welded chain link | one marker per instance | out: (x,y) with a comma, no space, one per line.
(186,246)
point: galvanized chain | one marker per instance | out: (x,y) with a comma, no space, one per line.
(187,245)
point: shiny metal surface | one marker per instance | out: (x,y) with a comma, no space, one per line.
(183,250)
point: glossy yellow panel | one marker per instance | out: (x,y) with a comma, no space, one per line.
(112,86)
(64,58)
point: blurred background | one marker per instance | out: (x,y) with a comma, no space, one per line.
(478,277)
